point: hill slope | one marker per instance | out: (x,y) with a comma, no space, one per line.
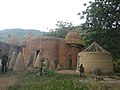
(20,33)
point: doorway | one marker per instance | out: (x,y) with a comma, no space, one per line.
(37,52)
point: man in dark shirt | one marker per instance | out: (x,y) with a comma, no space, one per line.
(4,62)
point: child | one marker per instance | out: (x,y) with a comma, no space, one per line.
(81,70)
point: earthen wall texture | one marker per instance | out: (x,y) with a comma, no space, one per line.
(54,49)
(100,60)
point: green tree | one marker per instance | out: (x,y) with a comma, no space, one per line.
(103,24)
(62,29)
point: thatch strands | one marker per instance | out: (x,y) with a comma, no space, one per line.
(19,65)
(95,57)
(74,37)
(12,61)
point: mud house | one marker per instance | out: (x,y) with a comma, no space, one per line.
(56,50)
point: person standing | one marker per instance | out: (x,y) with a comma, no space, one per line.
(42,66)
(81,70)
(4,62)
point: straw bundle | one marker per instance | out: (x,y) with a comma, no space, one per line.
(19,65)
(74,37)
(12,61)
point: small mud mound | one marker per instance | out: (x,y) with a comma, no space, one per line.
(6,81)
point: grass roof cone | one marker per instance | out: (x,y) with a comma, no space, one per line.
(74,38)
(95,57)
(19,65)
(12,61)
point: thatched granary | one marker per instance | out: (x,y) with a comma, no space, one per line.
(55,49)
(65,50)
(74,38)
(95,57)
(75,42)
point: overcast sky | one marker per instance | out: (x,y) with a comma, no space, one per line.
(39,14)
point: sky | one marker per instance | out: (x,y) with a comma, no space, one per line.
(39,14)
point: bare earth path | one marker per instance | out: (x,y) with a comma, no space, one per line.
(6,80)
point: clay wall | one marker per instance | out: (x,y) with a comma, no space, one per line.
(64,51)
(52,48)
(47,45)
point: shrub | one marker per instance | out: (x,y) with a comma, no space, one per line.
(116,66)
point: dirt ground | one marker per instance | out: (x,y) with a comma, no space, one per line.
(112,83)
(7,79)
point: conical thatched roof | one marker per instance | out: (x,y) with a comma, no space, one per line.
(74,37)
(94,47)
(19,65)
